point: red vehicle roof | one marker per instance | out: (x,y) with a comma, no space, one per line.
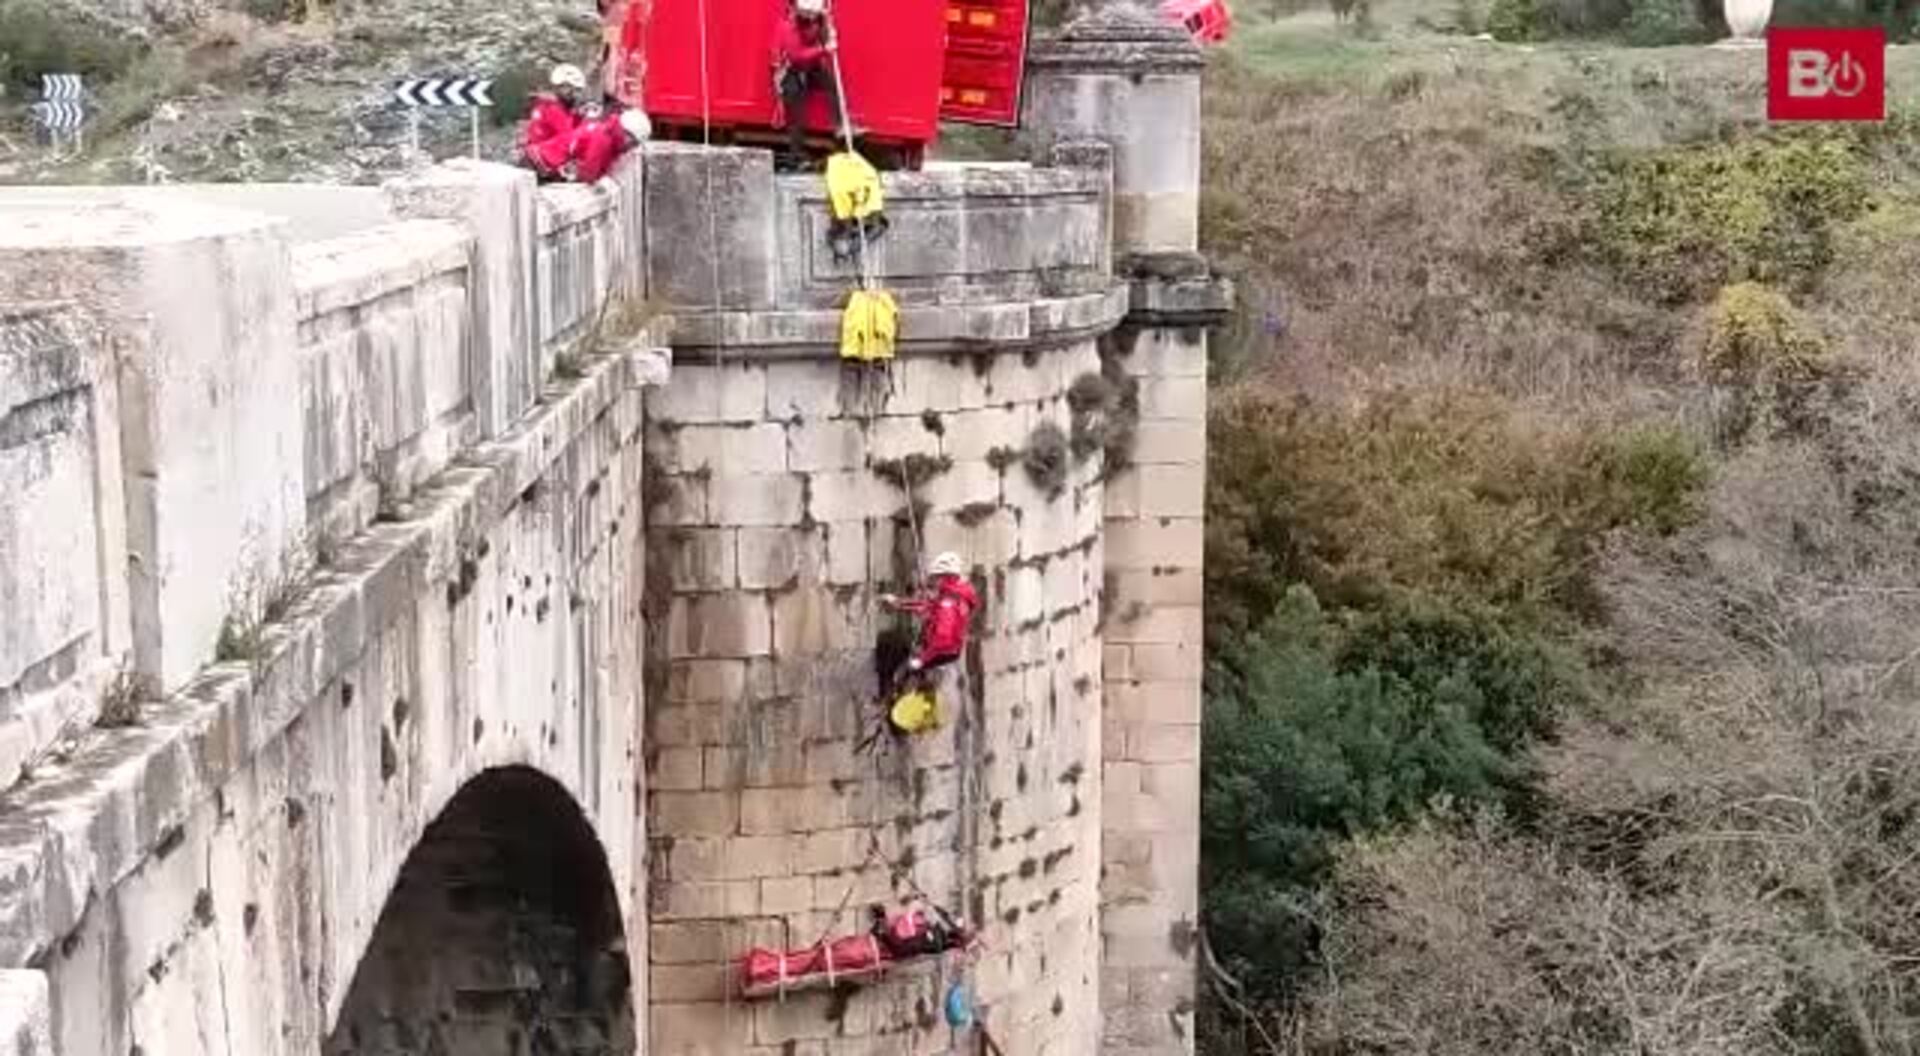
(905,64)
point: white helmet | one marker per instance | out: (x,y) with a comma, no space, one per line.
(947,564)
(810,7)
(636,124)
(567,75)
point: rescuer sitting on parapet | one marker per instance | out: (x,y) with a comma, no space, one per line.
(562,141)
(945,612)
(803,48)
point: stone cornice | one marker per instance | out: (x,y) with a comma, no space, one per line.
(924,329)
(1175,289)
(1121,37)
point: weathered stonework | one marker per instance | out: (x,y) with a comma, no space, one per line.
(540,702)
(1120,75)
(196,860)
(761,810)
(1124,76)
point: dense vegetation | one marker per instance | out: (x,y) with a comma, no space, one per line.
(1561,563)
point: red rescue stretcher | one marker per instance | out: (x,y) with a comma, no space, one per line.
(909,937)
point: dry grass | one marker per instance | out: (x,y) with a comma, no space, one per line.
(1724,857)
(1413,206)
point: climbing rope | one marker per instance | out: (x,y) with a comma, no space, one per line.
(713,224)
(846,133)
(729,928)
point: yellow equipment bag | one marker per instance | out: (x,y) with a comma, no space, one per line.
(869,327)
(916,712)
(853,187)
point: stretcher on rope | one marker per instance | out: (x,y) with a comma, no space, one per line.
(910,938)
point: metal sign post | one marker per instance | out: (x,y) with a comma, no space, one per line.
(470,92)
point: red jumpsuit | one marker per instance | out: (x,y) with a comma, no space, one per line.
(944,617)
(556,135)
(548,139)
(801,68)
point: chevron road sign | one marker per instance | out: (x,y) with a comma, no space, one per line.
(59,117)
(61,87)
(445,91)
(62,109)
(432,92)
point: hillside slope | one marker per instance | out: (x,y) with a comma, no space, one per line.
(1560,555)
(263,92)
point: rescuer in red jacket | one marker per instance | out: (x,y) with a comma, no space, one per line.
(561,142)
(548,139)
(803,48)
(945,613)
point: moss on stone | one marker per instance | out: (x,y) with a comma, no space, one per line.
(1046,458)
(912,471)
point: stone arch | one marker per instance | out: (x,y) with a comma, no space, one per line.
(502,934)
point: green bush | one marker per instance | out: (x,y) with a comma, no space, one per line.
(1654,23)
(1316,732)
(1679,223)
(1652,476)
(1512,685)
(513,91)
(1514,20)
(1754,331)
(37,38)
(1458,497)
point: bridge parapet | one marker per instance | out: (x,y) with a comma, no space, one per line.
(977,256)
(311,534)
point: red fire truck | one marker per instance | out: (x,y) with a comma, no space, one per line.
(704,68)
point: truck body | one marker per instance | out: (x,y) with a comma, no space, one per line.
(704,69)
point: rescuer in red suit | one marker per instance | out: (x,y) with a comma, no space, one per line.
(803,48)
(944,612)
(563,143)
(548,140)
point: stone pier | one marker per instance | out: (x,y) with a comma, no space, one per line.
(1122,76)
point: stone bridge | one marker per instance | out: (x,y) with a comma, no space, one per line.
(440,618)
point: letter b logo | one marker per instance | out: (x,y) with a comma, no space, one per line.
(1806,73)
(1826,75)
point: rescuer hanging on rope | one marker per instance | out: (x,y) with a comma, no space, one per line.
(803,47)
(945,612)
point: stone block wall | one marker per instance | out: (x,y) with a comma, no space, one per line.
(383,337)
(214,879)
(961,235)
(1155,535)
(66,626)
(776,515)
(189,321)
(589,254)
(195,401)
(957,236)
